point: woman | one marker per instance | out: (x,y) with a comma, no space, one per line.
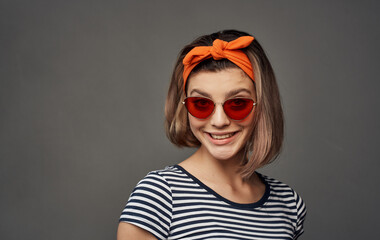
(224,100)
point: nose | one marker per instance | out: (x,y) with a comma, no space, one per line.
(219,119)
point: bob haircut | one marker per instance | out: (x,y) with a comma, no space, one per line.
(265,141)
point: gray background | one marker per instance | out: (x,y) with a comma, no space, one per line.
(82,91)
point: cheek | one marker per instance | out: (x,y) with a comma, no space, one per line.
(195,124)
(247,124)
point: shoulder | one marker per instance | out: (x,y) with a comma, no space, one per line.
(168,171)
(159,182)
(169,176)
(150,204)
(285,197)
(156,181)
(162,176)
(280,189)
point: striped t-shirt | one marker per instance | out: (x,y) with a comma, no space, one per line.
(173,204)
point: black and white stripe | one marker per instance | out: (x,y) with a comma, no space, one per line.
(173,204)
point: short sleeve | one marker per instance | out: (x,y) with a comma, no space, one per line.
(150,206)
(301,214)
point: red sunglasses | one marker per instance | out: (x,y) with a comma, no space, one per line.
(235,108)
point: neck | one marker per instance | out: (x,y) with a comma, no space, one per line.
(224,171)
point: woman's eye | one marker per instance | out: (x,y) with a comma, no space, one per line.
(201,103)
(238,102)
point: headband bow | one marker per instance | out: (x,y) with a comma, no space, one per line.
(219,50)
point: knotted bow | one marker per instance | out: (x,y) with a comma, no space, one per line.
(219,50)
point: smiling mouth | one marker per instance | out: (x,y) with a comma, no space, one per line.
(224,136)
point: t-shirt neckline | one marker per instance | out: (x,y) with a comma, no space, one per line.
(257,204)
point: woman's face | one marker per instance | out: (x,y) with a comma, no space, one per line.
(220,136)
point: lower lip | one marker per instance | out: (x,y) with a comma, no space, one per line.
(222,141)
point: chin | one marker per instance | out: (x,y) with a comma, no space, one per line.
(224,154)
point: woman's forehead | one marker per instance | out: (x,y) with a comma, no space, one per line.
(226,81)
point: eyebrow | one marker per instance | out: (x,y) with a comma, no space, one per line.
(227,95)
(200,92)
(237,91)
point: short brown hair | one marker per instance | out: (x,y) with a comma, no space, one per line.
(266,139)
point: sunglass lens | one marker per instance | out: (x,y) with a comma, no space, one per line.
(238,108)
(199,107)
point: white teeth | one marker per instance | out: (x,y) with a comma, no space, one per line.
(222,136)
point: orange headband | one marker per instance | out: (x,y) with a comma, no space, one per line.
(220,49)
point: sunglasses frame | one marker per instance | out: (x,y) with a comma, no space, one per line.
(213,110)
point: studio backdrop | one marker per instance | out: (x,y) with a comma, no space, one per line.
(82,92)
